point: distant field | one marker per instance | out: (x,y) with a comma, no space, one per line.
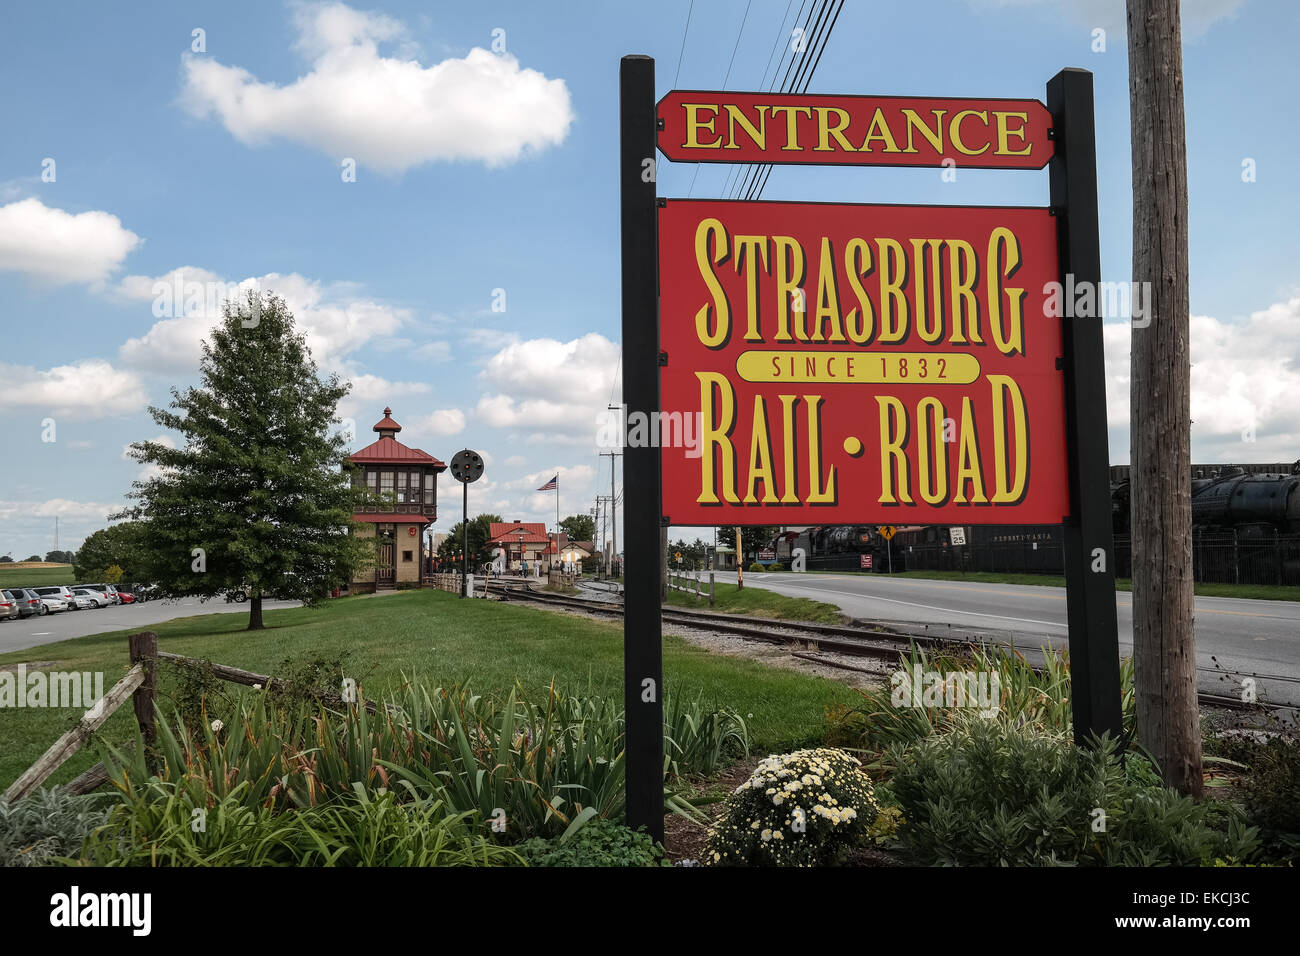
(35,577)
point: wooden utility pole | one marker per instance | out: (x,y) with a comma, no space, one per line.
(740,561)
(1164,641)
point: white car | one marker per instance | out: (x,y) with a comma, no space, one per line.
(61,592)
(53,602)
(91,597)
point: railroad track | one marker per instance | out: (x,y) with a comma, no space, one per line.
(877,641)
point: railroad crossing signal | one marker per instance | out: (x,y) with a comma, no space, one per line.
(887,531)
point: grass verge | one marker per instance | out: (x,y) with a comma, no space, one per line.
(433,636)
(759,602)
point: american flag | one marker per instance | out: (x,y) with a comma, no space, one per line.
(551,485)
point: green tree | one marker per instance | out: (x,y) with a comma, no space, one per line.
(59,557)
(694,556)
(118,544)
(579,527)
(6,559)
(256,498)
(34,557)
(479,532)
(752,538)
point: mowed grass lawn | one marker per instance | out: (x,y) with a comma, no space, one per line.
(435,637)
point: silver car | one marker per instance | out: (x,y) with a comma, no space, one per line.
(91,597)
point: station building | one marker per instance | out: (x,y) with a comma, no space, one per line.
(520,543)
(408,477)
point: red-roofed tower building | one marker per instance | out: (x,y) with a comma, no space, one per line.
(408,478)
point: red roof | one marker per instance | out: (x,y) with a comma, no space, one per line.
(390,450)
(386,424)
(502,532)
(374,518)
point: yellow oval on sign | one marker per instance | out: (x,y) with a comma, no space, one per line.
(863,367)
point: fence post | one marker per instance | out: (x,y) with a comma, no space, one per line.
(144,650)
(710,587)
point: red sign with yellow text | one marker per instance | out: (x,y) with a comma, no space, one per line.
(720,127)
(874,364)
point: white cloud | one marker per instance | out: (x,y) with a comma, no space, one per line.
(335,322)
(1245,383)
(57,246)
(150,470)
(545,384)
(443,422)
(514,461)
(89,389)
(388,113)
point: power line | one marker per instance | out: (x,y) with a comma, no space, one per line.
(752,173)
(730,64)
(824,38)
(736,170)
(682,52)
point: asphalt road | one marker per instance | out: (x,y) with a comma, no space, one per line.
(1233,635)
(34,631)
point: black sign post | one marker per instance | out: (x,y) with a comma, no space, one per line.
(642,625)
(1089,543)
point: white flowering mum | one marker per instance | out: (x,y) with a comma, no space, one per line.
(797,809)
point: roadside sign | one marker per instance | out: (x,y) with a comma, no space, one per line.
(887,531)
(957,535)
(850,364)
(866,562)
(822,363)
(766,556)
(723,127)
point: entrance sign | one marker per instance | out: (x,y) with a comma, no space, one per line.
(861,364)
(714,127)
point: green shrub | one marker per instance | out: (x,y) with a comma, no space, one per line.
(1037,700)
(757,567)
(988,794)
(48,824)
(799,809)
(1270,789)
(600,843)
(543,765)
(157,825)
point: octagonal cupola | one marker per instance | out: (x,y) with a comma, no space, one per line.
(386,427)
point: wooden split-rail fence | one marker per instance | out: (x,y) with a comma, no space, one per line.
(140,686)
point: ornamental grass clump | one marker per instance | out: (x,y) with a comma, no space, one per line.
(806,808)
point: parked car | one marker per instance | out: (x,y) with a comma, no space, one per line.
(61,592)
(126,596)
(29,602)
(8,606)
(96,598)
(109,590)
(84,599)
(53,602)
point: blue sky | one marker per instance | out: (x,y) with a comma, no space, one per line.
(228,163)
